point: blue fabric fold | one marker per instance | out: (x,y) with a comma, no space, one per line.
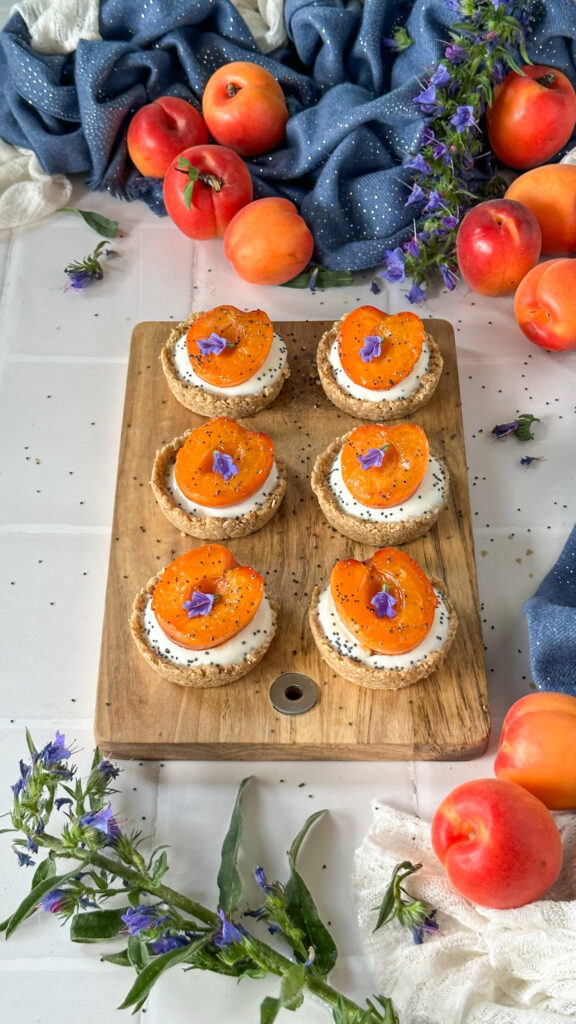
(551,617)
(353,124)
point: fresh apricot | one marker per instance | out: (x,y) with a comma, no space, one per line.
(226,346)
(377,351)
(550,192)
(268,242)
(383,465)
(387,602)
(205,598)
(221,463)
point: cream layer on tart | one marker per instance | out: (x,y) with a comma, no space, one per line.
(404,389)
(430,496)
(241,508)
(268,374)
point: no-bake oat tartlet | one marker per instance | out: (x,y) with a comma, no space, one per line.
(378,367)
(225,362)
(381,484)
(382,623)
(219,480)
(205,620)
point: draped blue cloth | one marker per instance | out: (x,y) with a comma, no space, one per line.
(551,618)
(352,127)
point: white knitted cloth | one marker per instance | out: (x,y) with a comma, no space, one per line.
(483,966)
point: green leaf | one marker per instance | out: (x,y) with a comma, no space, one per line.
(292,990)
(96,758)
(30,742)
(121,959)
(96,925)
(392,897)
(30,903)
(339,1013)
(229,880)
(45,869)
(302,910)
(138,953)
(269,1010)
(3,830)
(189,189)
(102,225)
(323,279)
(160,867)
(149,976)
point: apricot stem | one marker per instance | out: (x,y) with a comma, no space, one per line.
(547,80)
(232,89)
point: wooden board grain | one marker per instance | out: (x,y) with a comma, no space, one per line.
(139,714)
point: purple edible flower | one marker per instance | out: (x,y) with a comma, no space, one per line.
(224,465)
(373,457)
(24,859)
(61,801)
(54,752)
(435,200)
(103,821)
(503,429)
(449,277)
(374,288)
(417,195)
(416,293)
(107,769)
(441,77)
(138,918)
(463,118)
(527,460)
(214,344)
(418,163)
(450,221)
(55,901)
(199,604)
(412,247)
(383,603)
(227,933)
(312,281)
(25,770)
(454,53)
(371,348)
(427,100)
(394,263)
(170,940)
(429,924)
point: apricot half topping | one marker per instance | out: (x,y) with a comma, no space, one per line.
(226,346)
(378,351)
(205,598)
(383,466)
(391,624)
(221,463)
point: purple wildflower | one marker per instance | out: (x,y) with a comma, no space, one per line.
(170,940)
(428,925)
(454,53)
(527,460)
(24,859)
(435,200)
(441,77)
(80,277)
(441,151)
(463,118)
(107,769)
(199,604)
(418,163)
(25,770)
(103,821)
(224,465)
(215,344)
(416,293)
(227,933)
(412,247)
(450,221)
(54,752)
(417,195)
(261,879)
(31,844)
(312,281)
(449,276)
(138,918)
(428,137)
(394,263)
(504,429)
(374,457)
(55,901)
(427,100)
(383,603)
(371,348)
(374,288)
(61,801)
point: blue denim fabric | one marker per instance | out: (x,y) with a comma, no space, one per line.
(352,125)
(551,617)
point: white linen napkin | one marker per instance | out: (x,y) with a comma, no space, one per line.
(483,966)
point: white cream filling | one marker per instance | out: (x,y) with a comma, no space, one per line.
(429,496)
(342,641)
(404,389)
(240,508)
(270,371)
(229,653)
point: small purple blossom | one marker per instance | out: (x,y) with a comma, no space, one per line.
(428,925)
(394,264)
(527,460)
(138,919)
(440,151)
(107,769)
(504,429)
(418,163)
(416,293)
(25,770)
(312,281)
(261,879)
(374,457)
(375,287)
(54,752)
(450,221)
(61,801)
(463,118)
(31,844)
(24,859)
(427,100)
(435,201)
(224,465)
(55,901)
(428,136)
(199,604)
(170,940)
(412,247)
(103,821)
(441,77)
(213,345)
(448,276)
(227,933)
(371,348)
(417,195)
(454,53)
(383,603)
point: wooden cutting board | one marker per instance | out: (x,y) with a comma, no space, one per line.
(139,714)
